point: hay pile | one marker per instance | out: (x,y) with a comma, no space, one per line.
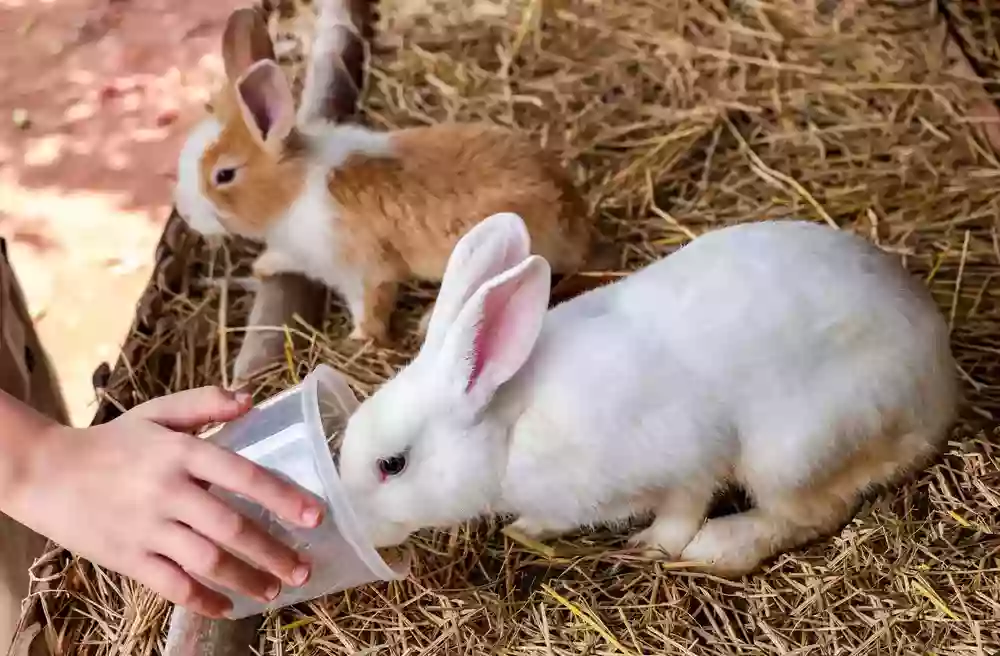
(975,25)
(677,116)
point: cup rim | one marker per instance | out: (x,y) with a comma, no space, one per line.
(346,520)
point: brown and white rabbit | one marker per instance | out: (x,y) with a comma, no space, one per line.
(358,209)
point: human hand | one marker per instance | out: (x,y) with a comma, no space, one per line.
(132,495)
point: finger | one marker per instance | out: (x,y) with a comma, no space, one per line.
(215,465)
(199,555)
(192,409)
(212,518)
(171,582)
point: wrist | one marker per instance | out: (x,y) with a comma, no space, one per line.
(25,435)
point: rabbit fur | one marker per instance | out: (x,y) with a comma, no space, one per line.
(789,358)
(359,209)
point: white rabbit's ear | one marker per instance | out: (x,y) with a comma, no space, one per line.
(491,247)
(495,331)
(266,103)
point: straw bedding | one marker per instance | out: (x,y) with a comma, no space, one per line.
(974,24)
(677,116)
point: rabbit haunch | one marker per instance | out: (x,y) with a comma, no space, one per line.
(362,210)
(792,359)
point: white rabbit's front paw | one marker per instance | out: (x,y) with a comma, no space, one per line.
(678,518)
(730,546)
(539,529)
(666,537)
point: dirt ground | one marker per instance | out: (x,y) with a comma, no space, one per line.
(97,96)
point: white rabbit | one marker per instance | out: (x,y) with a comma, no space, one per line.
(790,358)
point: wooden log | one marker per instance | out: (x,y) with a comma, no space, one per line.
(194,635)
(276,303)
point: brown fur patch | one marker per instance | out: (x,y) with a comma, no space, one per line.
(828,501)
(880,461)
(408,211)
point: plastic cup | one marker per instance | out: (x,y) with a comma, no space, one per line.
(288,434)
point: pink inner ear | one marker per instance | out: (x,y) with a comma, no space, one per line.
(263,107)
(264,97)
(492,330)
(273,109)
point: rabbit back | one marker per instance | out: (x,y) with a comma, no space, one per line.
(770,354)
(414,205)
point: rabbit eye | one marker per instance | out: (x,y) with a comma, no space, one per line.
(225,176)
(391,466)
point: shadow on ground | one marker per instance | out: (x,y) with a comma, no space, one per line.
(96,98)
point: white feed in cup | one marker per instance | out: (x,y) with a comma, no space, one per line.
(288,434)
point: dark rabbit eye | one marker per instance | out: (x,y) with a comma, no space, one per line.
(391,466)
(225,176)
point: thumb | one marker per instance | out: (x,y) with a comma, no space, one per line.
(192,409)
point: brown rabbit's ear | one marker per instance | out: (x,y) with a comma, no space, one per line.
(245,41)
(338,60)
(266,103)
(335,75)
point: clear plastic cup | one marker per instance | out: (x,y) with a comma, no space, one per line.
(289,434)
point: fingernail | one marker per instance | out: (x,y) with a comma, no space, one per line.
(272,592)
(243,397)
(311,517)
(300,575)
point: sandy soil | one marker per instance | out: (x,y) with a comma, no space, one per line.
(97,96)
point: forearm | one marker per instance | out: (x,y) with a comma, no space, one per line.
(22,431)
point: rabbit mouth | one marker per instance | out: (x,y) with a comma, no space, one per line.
(197,211)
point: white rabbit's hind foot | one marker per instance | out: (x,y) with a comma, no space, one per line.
(786,518)
(734,545)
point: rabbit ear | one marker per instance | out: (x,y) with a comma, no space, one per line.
(496,330)
(266,103)
(335,76)
(491,247)
(336,72)
(245,41)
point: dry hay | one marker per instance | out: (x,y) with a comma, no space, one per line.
(975,24)
(678,116)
